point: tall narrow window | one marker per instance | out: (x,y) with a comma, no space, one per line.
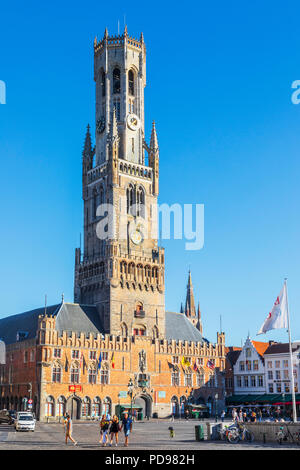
(131,82)
(116,81)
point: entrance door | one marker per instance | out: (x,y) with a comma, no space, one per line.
(144,402)
(73,408)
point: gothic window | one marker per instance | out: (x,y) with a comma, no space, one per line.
(104,377)
(103,83)
(124,330)
(140,202)
(86,407)
(175,379)
(116,81)
(92,376)
(74,375)
(131,82)
(155,332)
(130,198)
(56,374)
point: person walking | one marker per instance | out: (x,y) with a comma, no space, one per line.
(127,426)
(104,427)
(68,429)
(223,416)
(259,415)
(234,415)
(114,430)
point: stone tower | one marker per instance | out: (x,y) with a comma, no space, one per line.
(190,308)
(121,269)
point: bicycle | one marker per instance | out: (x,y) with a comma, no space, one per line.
(284,436)
(240,433)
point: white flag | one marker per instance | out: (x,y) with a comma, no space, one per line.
(278,317)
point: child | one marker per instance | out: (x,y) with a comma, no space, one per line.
(172,432)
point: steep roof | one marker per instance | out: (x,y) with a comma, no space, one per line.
(23,322)
(232,353)
(69,317)
(179,327)
(280,348)
(78,318)
(260,347)
(85,319)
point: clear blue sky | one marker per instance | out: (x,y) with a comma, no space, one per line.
(219,80)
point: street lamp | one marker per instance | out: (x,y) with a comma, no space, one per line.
(130,392)
(216,401)
(283,399)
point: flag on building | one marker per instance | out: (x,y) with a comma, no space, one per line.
(185,361)
(210,364)
(66,364)
(278,317)
(171,366)
(99,361)
(81,360)
(113,360)
(195,366)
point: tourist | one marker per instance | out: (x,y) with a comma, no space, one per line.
(223,416)
(104,427)
(68,429)
(114,430)
(127,426)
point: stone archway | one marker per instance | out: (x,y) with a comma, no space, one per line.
(145,402)
(74,407)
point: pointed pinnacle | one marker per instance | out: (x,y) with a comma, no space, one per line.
(153,140)
(142,37)
(125,30)
(106,33)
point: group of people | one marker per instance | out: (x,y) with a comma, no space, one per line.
(109,429)
(240,416)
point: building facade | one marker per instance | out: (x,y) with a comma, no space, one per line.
(249,369)
(116,345)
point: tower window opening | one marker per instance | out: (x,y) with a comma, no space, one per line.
(131,82)
(116,81)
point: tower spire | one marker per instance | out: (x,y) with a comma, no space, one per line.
(190,309)
(153,141)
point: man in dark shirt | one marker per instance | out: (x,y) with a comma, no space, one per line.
(127,426)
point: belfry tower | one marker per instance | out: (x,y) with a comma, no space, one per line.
(190,308)
(121,268)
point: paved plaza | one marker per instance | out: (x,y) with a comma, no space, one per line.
(149,435)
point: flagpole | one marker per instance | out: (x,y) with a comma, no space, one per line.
(291,358)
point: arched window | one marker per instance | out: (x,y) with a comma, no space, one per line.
(106,406)
(96,407)
(155,333)
(49,407)
(86,407)
(140,202)
(124,329)
(130,199)
(61,406)
(116,81)
(131,82)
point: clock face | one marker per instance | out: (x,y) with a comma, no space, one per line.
(100,125)
(133,122)
(136,237)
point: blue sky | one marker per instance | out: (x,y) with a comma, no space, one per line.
(219,78)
